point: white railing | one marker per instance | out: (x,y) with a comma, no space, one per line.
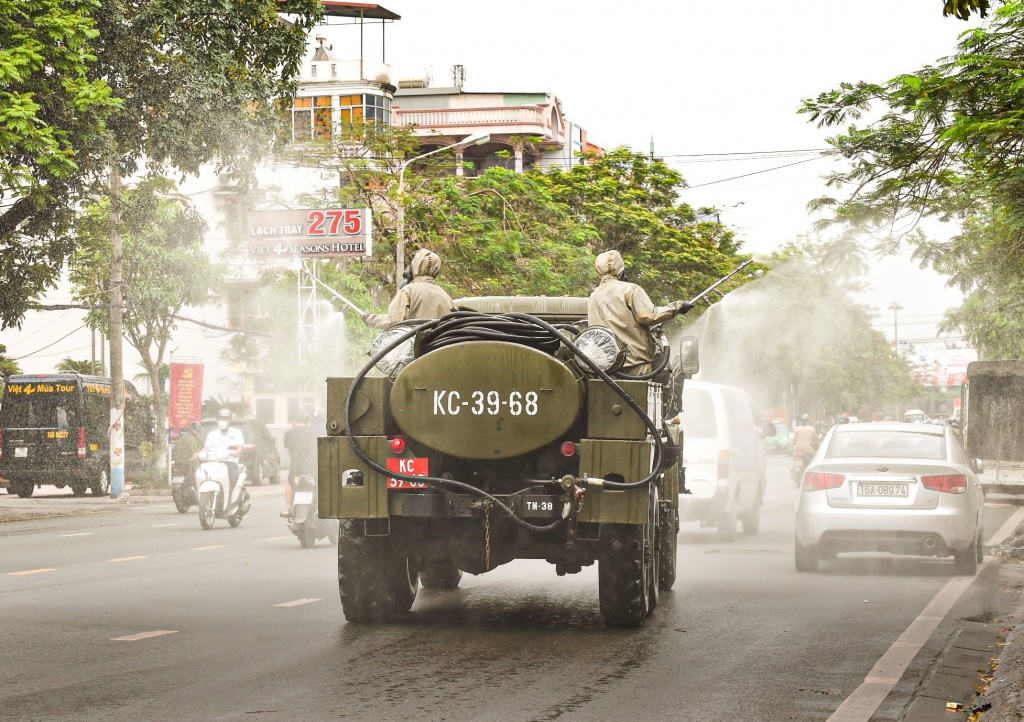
(481,117)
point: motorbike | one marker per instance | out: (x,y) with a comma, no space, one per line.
(304,521)
(800,461)
(219,498)
(183,491)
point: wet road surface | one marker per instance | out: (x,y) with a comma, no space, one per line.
(140,614)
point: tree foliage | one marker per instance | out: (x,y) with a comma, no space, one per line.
(90,84)
(51,112)
(963,9)
(943,143)
(86,366)
(506,233)
(165,269)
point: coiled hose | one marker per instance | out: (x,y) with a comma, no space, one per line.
(462,326)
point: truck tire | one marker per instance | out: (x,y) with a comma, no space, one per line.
(441,575)
(24,489)
(667,551)
(622,575)
(78,488)
(374,581)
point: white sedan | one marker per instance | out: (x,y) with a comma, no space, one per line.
(890,487)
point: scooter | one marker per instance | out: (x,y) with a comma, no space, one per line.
(800,461)
(304,521)
(183,491)
(219,498)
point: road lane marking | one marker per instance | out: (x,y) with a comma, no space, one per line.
(30,571)
(159,526)
(144,635)
(126,559)
(81,533)
(297,602)
(203,549)
(277,538)
(864,701)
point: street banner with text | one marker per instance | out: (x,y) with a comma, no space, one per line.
(186,400)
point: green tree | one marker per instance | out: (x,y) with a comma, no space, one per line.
(52,113)
(944,145)
(631,202)
(963,9)
(165,270)
(86,367)
(90,85)
(8,368)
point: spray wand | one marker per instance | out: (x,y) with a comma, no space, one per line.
(341,298)
(714,287)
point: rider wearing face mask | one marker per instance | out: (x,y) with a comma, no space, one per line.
(228,437)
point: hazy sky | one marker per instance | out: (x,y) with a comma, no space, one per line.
(714,77)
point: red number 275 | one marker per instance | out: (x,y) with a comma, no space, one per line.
(326,223)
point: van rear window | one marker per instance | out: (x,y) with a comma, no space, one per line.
(698,417)
(54,410)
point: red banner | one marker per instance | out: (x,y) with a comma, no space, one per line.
(185,404)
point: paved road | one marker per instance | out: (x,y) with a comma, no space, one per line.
(138,614)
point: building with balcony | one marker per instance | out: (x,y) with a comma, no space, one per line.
(531,126)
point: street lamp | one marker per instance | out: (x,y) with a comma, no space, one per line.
(895,308)
(474,139)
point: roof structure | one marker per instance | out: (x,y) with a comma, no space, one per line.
(339,9)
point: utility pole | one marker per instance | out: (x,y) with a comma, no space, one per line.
(116,333)
(895,307)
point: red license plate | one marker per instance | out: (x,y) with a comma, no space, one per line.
(411,467)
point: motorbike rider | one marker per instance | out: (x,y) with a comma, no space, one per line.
(420,298)
(626,310)
(226,437)
(301,443)
(805,438)
(185,450)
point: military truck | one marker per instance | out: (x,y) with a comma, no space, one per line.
(992,423)
(502,431)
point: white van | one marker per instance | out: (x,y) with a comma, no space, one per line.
(723,452)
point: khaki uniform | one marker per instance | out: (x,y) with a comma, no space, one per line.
(805,439)
(626,310)
(422,298)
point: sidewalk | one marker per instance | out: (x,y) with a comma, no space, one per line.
(980,675)
(60,503)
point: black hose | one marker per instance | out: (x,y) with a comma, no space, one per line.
(421,479)
(521,328)
(646,377)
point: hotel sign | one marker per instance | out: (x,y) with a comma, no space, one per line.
(310,233)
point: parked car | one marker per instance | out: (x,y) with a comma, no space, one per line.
(260,456)
(723,452)
(781,440)
(54,429)
(890,487)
